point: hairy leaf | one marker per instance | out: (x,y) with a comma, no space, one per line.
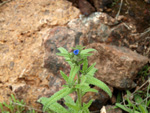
(68,99)
(62,50)
(100,84)
(65,77)
(72,106)
(73,72)
(85,65)
(87,50)
(58,95)
(58,108)
(89,90)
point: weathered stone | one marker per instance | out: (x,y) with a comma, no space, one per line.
(117,66)
(147,1)
(88,6)
(110,109)
(100,4)
(99,99)
(91,32)
(99,27)
(22,25)
(85,7)
(58,37)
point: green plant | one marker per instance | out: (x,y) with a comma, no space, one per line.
(80,84)
(136,102)
(12,108)
(145,71)
(114,3)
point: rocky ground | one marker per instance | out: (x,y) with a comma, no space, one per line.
(31,31)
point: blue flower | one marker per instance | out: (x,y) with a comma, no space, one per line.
(76,52)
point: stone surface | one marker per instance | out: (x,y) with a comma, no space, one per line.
(117,66)
(85,7)
(23,23)
(147,1)
(99,99)
(110,109)
(97,28)
(100,5)
(88,6)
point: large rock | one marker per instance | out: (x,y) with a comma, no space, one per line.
(22,26)
(98,27)
(117,66)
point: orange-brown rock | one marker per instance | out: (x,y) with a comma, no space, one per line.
(23,23)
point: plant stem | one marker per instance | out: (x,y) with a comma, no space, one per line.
(79,93)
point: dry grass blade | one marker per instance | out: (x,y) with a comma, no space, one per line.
(146,31)
(119,9)
(4,2)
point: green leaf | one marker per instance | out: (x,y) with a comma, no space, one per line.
(91,70)
(72,106)
(83,56)
(68,99)
(119,97)
(148,103)
(58,95)
(43,100)
(82,86)
(1,107)
(83,79)
(138,98)
(62,50)
(63,54)
(126,108)
(73,72)
(100,84)
(58,108)
(85,64)
(6,105)
(88,104)
(142,107)
(123,107)
(65,77)
(85,51)
(89,90)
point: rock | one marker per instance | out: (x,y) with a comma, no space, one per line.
(99,27)
(85,7)
(144,46)
(100,4)
(147,1)
(58,37)
(22,26)
(110,109)
(88,6)
(117,66)
(99,99)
